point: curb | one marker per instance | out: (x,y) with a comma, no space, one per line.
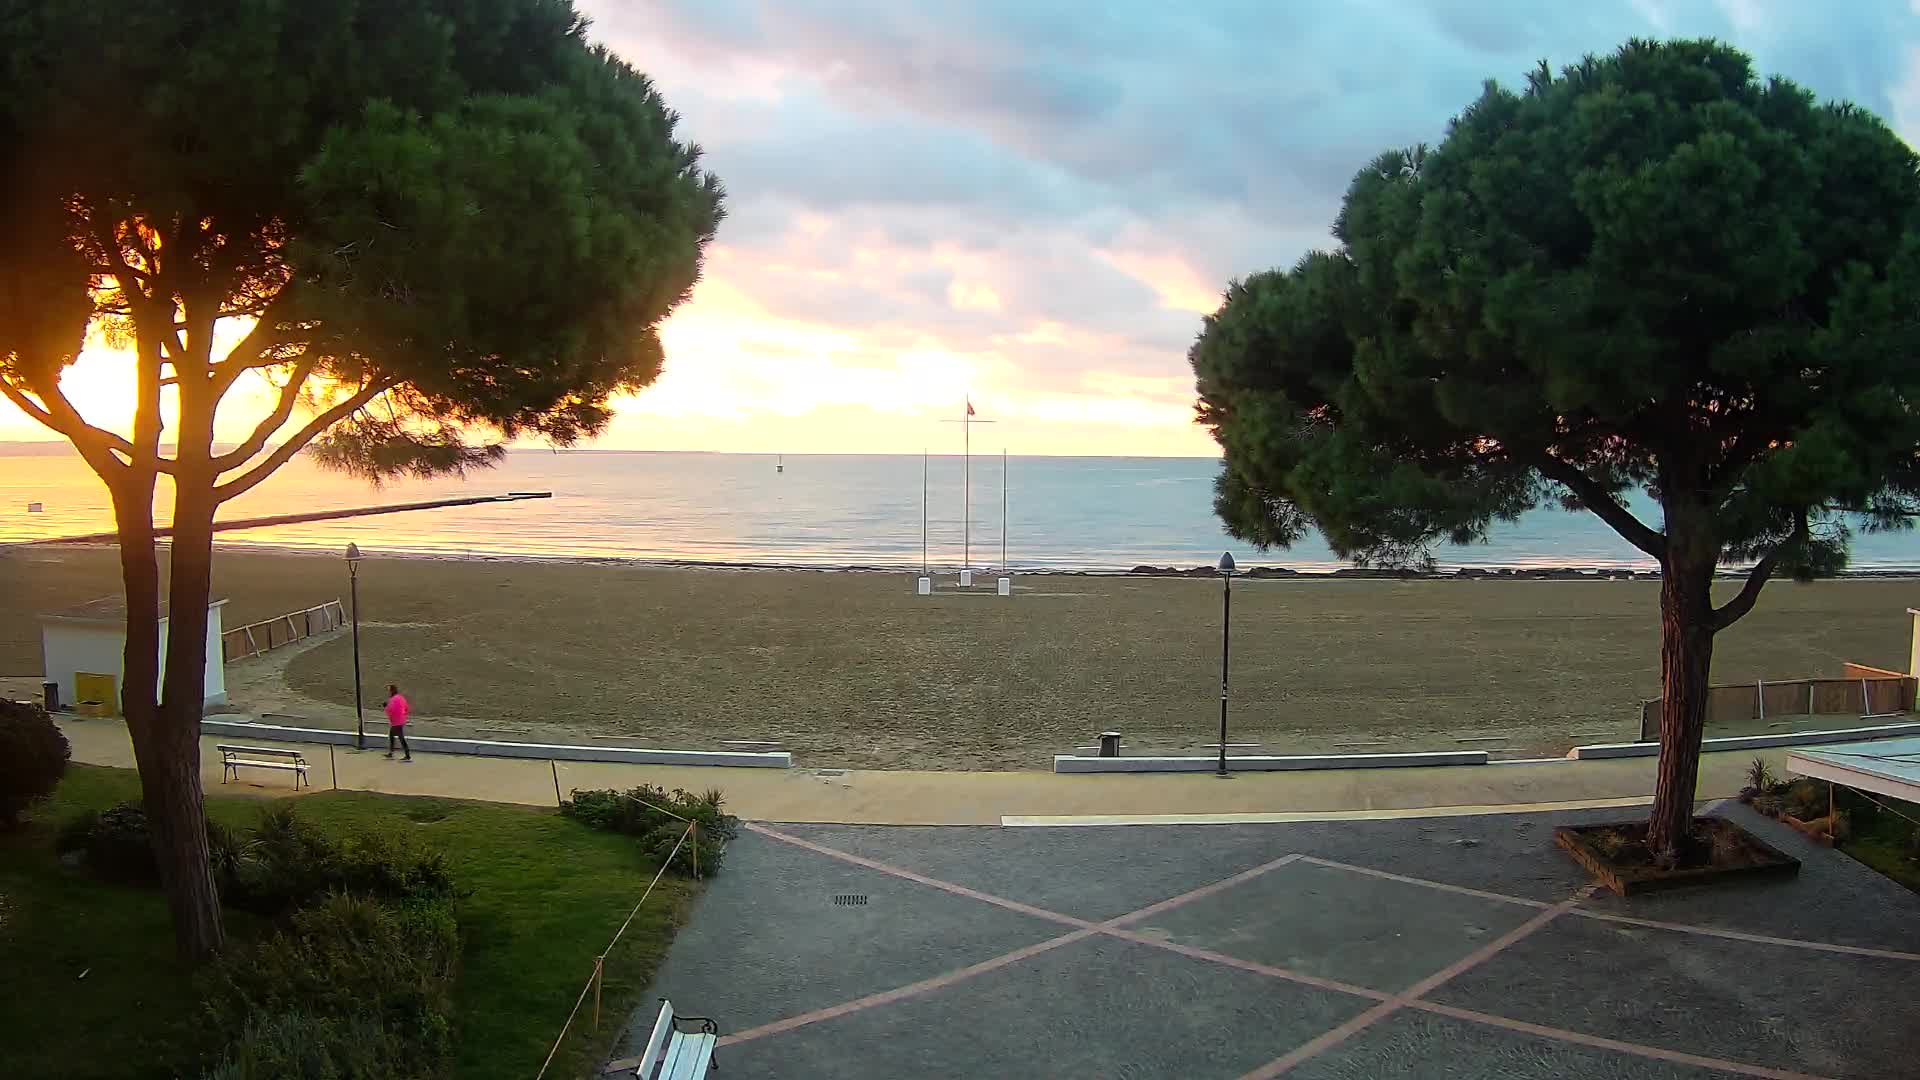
(628,755)
(1070,763)
(1747,742)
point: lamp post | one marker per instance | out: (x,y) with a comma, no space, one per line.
(1226,641)
(353,587)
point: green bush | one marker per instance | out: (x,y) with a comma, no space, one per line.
(115,841)
(659,817)
(33,758)
(301,1046)
(369,983)
(1806,799)
(288,863)
(282,863)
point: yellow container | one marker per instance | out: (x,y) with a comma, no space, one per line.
(95,695)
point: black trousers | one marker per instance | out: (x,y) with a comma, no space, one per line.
(398,731)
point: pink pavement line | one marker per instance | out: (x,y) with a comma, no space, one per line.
(1328,1040)
(1385,1004)
(1607,916)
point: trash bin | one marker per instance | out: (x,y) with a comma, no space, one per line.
(50,696)
(1109,744)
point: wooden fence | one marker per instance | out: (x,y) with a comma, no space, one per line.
(256,638)
(1862,691)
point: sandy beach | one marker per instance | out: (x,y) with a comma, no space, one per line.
(853,670)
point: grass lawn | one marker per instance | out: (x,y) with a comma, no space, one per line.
(851,669)
(543,896)
(1883,835)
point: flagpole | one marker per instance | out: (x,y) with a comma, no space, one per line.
(966,483)
(923,512)
(1003,509)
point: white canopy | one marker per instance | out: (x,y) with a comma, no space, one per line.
(1889,767)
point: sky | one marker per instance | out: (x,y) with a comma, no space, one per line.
(1035,203)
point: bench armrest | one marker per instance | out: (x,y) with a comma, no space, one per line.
(706,1026)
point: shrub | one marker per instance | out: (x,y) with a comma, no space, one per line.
(1806,799)
(656,815)
(298,1045)
(369,984)
(282,863)
(115,841)
(33,758)
(1760,776)
(288,863)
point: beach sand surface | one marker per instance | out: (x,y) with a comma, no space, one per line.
(854,670)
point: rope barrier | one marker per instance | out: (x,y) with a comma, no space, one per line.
(594,979)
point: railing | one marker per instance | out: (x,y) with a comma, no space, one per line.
(256,638)
(1864,692)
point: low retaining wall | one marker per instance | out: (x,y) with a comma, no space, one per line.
(1069,763)
(1748,742)
(430,744)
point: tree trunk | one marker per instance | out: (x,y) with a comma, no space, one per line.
(1686,659)
(166,750)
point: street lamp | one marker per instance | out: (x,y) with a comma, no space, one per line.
(1226,641)
(353,585)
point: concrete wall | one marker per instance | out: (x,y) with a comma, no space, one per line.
(1750,742)
(213,687)
(68,646)
(430,744)
(1069,763)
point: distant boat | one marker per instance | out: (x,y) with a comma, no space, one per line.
(35,508)
(780,463)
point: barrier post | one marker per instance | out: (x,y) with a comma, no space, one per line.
(599,965)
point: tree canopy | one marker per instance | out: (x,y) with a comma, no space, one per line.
(1652,271)
(431,227)
(457,211)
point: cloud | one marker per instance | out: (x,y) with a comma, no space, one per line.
(1048,195)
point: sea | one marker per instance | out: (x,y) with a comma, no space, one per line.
(807,510)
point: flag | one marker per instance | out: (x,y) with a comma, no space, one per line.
(969,406)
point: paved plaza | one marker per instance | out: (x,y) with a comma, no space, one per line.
(1442,947)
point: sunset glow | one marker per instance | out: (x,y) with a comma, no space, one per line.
(1019,221)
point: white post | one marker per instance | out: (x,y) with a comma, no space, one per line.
(1003,509)
(1913,644)
(966,497)
(923,514)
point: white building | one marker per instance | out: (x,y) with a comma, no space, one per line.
(89,641)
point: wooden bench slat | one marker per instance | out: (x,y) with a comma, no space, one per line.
(662,1029)
(288,760)
(690,1056)
(233,748)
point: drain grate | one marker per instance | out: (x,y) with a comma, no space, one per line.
(850,900)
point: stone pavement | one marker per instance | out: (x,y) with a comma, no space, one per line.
(1450,947)
(956,798)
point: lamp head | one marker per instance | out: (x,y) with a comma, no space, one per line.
(1226,562)
(353,553)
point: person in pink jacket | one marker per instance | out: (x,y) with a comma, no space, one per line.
(397,722)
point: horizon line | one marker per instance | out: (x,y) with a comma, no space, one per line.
(7,444)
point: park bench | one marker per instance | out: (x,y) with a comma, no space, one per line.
(672,1054)
(261,757)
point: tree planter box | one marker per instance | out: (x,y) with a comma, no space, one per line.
(1737,855)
